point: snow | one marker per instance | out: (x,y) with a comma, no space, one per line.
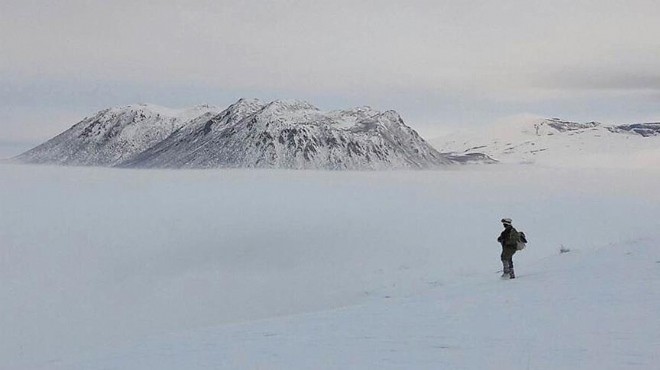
(293,135)
(289,134)
(585,318)
(114,135)
(556,143)
(223,269)
(349,118)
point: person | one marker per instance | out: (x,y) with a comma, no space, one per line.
(509,241)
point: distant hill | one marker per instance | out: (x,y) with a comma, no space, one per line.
(249,133)
(556,142)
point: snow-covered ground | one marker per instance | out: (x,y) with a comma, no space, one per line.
(239,269)
(556,143)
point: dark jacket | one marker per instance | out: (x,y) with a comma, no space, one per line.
(509,238)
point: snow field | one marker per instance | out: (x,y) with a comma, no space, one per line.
(103,268)
(591,310)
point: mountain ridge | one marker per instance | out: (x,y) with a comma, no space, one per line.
(250,133)
(557,142)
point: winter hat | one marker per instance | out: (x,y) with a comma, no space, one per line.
(506,221)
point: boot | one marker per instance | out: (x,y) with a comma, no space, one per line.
(511,274)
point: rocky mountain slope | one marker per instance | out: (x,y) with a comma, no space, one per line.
(115,135)
(555,142)
(249,133)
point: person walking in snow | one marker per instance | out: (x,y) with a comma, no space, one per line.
(509,240)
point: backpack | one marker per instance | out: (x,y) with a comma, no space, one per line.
(522,241)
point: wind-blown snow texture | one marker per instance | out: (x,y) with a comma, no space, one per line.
(112,269)
(558,143)
(249,133)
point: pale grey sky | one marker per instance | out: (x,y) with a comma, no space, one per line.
(441,64)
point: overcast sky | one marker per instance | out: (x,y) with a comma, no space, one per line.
(441,64)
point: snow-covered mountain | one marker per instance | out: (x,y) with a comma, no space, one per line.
(555,142)
(115,135)
(249,133)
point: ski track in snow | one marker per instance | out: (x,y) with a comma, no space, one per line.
(124,269)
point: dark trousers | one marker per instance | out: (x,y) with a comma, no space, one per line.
(507,256)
